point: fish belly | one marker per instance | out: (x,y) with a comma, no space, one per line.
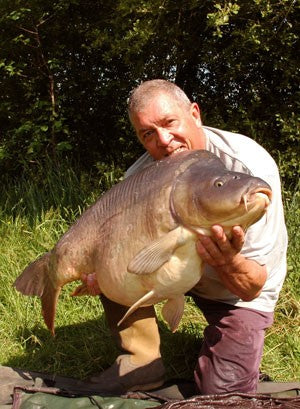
(174,278)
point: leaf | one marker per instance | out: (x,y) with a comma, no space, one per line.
(64,146)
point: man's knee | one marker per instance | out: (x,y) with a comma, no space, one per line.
(228,362)
(231,352)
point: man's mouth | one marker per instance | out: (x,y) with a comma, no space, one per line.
(177,150)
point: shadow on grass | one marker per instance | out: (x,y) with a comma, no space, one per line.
(180,350)
(79,350)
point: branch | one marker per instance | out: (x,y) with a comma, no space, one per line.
(27,31)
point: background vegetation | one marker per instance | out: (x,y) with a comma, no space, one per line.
(66,69)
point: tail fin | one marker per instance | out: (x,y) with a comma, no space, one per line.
(49,302)
(32,280)
(35,280)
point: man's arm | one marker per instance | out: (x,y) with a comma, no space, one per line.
(244,278)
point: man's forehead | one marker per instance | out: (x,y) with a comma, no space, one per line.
(154,113)
(160,104)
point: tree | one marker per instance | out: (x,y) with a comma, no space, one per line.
(67,68)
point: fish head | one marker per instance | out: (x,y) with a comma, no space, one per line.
(207,193)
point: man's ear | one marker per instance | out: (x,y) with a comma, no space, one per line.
(196,114)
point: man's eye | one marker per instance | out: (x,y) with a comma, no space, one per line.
(147,134)
(170,121)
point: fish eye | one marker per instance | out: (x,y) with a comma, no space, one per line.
(219,183)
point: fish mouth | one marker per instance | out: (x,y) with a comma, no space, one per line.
(262,194)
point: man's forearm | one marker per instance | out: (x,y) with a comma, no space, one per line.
(244,278)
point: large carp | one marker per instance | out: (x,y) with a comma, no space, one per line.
(139,237)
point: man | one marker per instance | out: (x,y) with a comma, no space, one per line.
(242,276)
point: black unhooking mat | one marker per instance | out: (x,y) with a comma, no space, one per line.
(21,389)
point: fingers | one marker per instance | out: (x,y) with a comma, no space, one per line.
(209,251)
(90,280)
(238,238)
(83,277)
(218,250)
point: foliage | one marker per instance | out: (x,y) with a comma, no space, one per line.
(66,68)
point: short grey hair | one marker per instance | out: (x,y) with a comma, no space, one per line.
(140,96)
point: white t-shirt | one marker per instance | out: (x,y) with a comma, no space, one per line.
(266,240)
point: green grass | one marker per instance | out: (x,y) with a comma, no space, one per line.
(32,218)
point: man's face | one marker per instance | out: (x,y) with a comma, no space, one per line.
(165,127)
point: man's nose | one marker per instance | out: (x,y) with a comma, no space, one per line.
(163,137)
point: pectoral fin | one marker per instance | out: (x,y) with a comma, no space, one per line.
(172,311)
(153,256)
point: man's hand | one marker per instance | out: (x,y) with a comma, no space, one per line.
(241,276)
(89,285)
(218,250)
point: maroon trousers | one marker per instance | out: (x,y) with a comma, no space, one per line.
(232,348)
